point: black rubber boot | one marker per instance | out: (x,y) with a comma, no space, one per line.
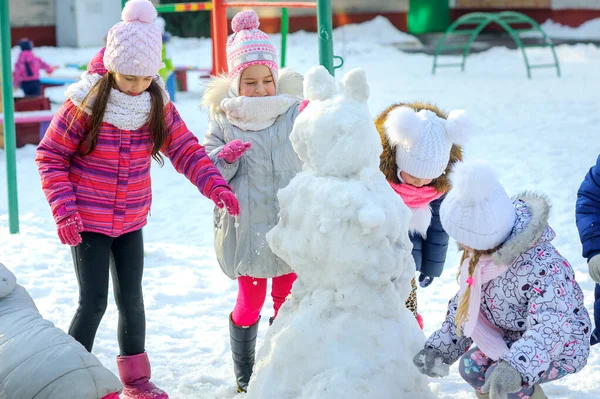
(243,345)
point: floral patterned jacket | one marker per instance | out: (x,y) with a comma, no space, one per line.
(536,302)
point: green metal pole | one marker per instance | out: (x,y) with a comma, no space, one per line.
(9,119)
(285,27)
(325,26)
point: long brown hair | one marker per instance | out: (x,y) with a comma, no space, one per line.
(100,94)
(462,310)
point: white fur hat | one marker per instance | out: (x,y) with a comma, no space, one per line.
(477,212)
(423,140)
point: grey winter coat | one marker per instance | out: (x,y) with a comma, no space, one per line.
(40,361)
(536,302)
(267,167)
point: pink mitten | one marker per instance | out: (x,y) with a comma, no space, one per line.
(303,105)
(224,197)
(233,150)
(69,228)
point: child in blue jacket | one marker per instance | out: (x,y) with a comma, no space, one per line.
(587,214)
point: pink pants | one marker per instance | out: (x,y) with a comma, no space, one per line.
(252,293)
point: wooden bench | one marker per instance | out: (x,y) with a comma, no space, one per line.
(181,75)
(41,117)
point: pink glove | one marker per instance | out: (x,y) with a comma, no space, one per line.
(69,228)
(233,151)
(224,197)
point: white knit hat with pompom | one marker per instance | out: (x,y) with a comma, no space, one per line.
(477,212)
(423,140)
(134,46)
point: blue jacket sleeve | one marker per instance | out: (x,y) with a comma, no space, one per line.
(417,251)
(587,212)
(435,246)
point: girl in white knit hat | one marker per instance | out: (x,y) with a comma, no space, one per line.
(421,144)
(518,302)
(252,112)
(94,162)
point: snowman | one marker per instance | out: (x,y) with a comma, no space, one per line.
(345,331)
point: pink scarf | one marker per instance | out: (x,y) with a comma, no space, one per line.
(487,337)
(418,200)
(416,197)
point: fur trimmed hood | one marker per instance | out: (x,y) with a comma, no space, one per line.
(388,157)
(531,226)
(218,88)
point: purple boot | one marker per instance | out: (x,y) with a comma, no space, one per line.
(135,376)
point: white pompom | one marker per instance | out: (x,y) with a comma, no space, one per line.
(474,181)
(139,10)
(319,84)
(403,125)
(458,127)
(355,85)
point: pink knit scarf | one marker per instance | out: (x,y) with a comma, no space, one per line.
(487,337)
(416,197)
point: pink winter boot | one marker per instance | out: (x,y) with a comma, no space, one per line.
(135,375)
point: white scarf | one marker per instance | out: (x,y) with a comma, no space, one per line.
(256,113)
(122,110)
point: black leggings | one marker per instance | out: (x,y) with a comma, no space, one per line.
(92,259)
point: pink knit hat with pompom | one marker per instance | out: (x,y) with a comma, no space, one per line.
(248,46)
(134,46)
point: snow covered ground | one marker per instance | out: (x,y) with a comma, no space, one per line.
(540,134)
(589,30)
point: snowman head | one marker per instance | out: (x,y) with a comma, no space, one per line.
(335,134)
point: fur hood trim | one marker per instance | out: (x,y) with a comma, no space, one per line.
(387,159)
(217,89)
(525,234)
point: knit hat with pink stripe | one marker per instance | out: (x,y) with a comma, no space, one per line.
(248,46)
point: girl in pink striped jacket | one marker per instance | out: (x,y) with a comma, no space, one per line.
(94,162)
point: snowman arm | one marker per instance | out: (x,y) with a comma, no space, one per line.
(214,141)
(446,341)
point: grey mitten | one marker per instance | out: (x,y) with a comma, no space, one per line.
(594,268)
(504,379)
(431,363)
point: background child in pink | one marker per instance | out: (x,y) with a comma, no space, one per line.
(27,70)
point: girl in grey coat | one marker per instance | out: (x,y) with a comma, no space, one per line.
(252,112)
(518,301)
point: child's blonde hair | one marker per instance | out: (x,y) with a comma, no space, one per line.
(463,302)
